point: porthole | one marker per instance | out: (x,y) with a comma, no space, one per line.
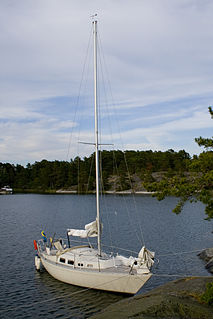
(62,260)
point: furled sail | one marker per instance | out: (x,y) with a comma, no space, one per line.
(91,230)
(146,256)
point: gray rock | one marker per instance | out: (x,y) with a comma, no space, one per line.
(209,265)
(206,254)
(179,299)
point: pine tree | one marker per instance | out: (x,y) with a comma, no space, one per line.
(198,185)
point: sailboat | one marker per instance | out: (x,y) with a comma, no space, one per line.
(84,265)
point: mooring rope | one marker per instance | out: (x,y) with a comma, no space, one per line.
(87,289)
(183,252)
(96,287)
(108,282)
(181,276)
(59,297)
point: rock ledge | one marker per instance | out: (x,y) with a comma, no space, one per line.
(207,255)
(176,299)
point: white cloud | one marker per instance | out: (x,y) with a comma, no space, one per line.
(157,52)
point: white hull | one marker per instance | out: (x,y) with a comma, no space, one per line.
(108,280)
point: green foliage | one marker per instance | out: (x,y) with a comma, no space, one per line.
(196,185)
(211,111)
(79,174)
(207,296)
(206,142)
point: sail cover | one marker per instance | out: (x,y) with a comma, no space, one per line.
(91,230)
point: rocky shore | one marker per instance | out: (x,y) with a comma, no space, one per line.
(207,256)
(177,299)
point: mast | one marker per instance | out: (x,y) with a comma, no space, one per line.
(96,136)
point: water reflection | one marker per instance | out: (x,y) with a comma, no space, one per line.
(81,302)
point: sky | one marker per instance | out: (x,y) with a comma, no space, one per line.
(157,60)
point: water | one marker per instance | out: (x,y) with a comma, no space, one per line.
(26,293)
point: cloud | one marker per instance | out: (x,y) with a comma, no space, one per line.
(159,57)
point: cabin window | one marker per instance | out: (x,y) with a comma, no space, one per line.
(70,262)
(62,260)
(90,265)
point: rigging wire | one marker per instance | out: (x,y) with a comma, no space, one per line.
(102,67)
(77,103)
(79,92)
(100,130)
(119,130)
(180,253)
(90,172)
(83,88)
(105,206)
(178,275)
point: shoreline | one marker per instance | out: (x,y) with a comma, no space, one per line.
(75,192)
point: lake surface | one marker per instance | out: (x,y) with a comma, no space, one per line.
(25,293)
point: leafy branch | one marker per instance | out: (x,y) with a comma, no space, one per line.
(198,185)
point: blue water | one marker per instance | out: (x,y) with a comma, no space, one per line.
(25,293)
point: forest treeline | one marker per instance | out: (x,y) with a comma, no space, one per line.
(79,174)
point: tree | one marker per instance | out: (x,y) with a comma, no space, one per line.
(196,184)
(206,142)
